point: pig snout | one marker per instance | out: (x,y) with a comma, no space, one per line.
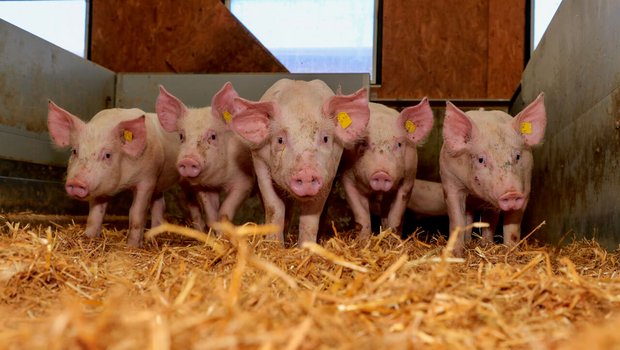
(306,183)
(511,201)
(188,167)
(381,181)
(76,188)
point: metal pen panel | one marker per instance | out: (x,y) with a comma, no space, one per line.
(33,71)
(140,90)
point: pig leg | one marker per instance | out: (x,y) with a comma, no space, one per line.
(512,226)
(274,206)
(137,213)
(210,204)
(95,218)
(234,198)
(158,207)
(397,210)
(195,215)
(359,206)
(191,201)
(469,219)
(491,217)
(309,216)
(455,201)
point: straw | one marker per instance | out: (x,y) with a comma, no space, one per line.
(188,289)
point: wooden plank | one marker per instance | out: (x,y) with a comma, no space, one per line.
(506,47)
(192,36)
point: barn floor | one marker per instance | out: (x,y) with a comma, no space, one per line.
(59,290)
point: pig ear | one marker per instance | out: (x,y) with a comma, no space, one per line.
(252,120)
(62,124)
(132,134)
(531,121)
(222,106)
(417,121)
(457,129)
(169,109)
(350,113)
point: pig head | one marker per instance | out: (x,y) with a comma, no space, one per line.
(486,159)
(117,150)
(297,132)
(382,167)
(212,159)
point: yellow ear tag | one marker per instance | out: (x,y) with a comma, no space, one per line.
(344,120)
(227,116)
(526,128)
(410,126)
(128,135)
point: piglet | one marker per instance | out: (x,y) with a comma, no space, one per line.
(382,167)
(297,132)
(117,150)
(212,159)
(486,161)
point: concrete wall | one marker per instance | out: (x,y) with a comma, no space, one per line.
(576,186)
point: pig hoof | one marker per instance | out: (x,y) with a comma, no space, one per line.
(218,234)
(363,235)
(92,234)
(458,252)
(485,242)
(134,244)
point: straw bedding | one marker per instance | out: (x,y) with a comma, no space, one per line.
(59,290)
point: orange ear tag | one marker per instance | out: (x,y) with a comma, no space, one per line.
(128,135)
(227,116)
(344,120)
(526,128)
(410,126)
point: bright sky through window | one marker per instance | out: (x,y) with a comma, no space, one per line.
(320,36)
(61,22)
(543,13)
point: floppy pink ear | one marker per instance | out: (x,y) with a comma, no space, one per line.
(531,121)
(350,113)
(62,125)
(132,134)
(417,121)
(457,129)
(169,110)
(222,106)
(252,120)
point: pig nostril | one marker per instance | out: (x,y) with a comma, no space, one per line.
(511,201)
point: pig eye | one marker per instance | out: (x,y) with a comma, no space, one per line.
(481,160)
(325,139)
(107,155)
(181,137)
(399,144)
(213,137)
(74,152)
(518,156)
(280,140)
